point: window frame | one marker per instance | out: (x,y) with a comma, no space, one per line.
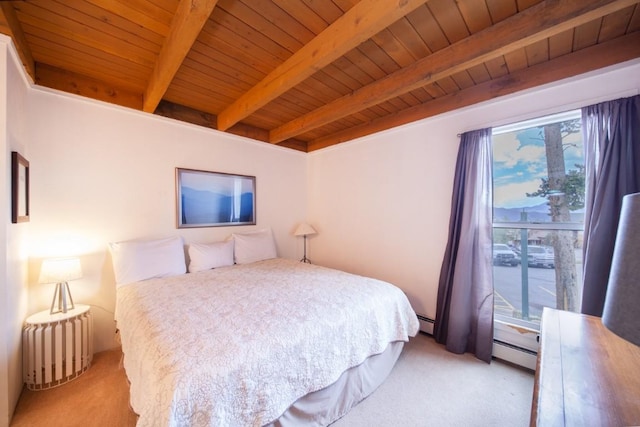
(511,333)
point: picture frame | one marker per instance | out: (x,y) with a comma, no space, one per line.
(19,188)
(214,199)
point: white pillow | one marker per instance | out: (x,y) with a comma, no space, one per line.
(136,260)
(255,246)
(210,255)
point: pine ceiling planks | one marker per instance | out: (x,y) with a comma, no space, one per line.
(11,26)
(186,25)
(308,74)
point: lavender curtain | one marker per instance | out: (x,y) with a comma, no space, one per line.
(464,316)
(611,131)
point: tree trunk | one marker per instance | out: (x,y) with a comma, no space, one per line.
(563,240)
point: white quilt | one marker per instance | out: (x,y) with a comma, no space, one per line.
(236,346)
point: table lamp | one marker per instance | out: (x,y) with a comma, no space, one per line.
(620,314)
(305,230)
(60,271)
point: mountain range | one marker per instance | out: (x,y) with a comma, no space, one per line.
(537,213)
(208,207)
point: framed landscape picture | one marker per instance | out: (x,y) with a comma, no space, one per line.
(214,199)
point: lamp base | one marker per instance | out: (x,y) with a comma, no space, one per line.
(304,257)
(59,302)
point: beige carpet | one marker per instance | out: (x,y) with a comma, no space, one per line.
(428,387)
(99,397)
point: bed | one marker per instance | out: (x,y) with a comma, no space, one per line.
(266,342)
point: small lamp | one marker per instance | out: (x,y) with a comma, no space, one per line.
(620,313)
(305,230)
(60,271)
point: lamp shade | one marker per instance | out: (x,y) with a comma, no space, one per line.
(304,229)
(621,307)
(59,270)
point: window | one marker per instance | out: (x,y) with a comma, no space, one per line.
(538,217)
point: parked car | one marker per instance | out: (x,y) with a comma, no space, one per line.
(540,256)
(503,255)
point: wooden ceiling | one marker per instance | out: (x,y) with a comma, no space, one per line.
(307,74)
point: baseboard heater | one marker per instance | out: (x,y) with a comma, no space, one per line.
(515,347)
(426,324)
(501,350)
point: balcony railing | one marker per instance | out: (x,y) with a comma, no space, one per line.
(549,272)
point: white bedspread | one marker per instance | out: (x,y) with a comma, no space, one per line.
(238,345)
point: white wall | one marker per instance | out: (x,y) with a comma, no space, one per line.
(5,217)
(381,203)
(101,173)
(14,253)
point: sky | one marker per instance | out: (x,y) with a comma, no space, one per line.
(519,162)
(220,183)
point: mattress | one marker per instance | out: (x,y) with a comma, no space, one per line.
(239,345)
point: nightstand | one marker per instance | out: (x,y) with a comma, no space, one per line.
(57,348)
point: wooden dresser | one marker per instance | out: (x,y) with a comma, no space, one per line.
(585,375)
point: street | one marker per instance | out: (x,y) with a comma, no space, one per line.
(542,290)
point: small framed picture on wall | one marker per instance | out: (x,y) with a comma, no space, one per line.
(19,188)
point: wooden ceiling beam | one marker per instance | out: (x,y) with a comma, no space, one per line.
(187,23)
(19,39)
(202,118)
(602,55)
(362,21)
(533,24)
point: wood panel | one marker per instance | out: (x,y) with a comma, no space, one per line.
(512,34)
(101,69)
(516,60)
(350,30)
(186,25)
(304,13)
(634,25)
(276,65)
(615,24)
(497,67)
(73,51)
(13,27)
(537,52)
(427,27)
(593,58)
(179,112)
(479,73)
(80,85)
(449,19)
(145,12)
(586,35)
(93,21)
(585,374)
(475,14)
(561,44)
(501,10)
(149,18)
(100,15)
(34,16)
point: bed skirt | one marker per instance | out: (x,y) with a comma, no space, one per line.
(322,407)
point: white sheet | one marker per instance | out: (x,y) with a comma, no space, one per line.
(237,345)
